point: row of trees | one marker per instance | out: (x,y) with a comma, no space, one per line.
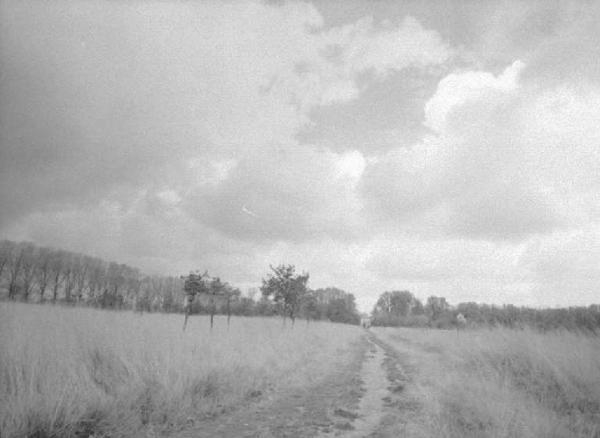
(585,318)
(196,284)
(289,291)
(284,292)
(402,308)
(37,274)
(55,275)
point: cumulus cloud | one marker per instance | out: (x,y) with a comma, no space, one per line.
(494,169)
(459,89)
(172,136)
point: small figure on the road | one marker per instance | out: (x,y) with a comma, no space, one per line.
(187,308)
(365,322)
(461,322)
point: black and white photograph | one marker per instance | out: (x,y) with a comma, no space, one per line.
(290,218)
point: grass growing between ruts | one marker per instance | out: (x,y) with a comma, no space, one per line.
(502,383)
(76,371)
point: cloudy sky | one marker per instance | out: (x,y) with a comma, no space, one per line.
(448,148)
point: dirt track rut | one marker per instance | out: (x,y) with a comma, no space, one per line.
(364,397)
(371,406)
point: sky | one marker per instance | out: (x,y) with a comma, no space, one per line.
(449,148)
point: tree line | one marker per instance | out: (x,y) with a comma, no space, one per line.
(32,273)
(402,308)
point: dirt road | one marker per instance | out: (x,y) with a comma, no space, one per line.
(375,389)
(364,397)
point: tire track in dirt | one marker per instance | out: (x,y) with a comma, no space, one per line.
(403,409)
(385,408)
(309,411)
(371,404)
(365,397)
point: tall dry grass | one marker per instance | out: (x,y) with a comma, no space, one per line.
(502,383)
(77,372)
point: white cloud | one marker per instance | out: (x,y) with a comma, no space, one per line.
(458,89)
(350,165)
(506,162)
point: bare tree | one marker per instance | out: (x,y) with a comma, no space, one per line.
(28,267)
(115,282)
(82,267)
(96,278)
(6,250)
(16,263)
(56,272)
(132,285)
(42,271)
(69,275)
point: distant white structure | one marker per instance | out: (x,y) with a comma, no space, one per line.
(365,322)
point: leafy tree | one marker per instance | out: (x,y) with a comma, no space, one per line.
(246,306)
(336,305)
(265,307)
(397,303)
(213,288)
(343,310)
(16,263)
(42,271)
(436,307)
(194,284)
(286,288)
(418,308)
(397,308)
(28,268)
(309,306)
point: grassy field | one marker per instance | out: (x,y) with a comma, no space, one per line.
(499,383)
(81,372)
(77,371)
